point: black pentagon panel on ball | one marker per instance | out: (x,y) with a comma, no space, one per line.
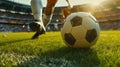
(76,21)
(69,39)
(91,35)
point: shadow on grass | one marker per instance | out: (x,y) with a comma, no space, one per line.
(64,57)
(14,41)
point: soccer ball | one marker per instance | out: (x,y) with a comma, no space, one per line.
(80,30)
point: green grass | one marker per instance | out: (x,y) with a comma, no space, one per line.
(18,50)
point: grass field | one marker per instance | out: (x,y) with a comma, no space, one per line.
(18,50)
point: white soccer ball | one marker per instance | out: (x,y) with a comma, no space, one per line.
(80,30)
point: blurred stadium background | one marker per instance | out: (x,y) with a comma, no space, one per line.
(15,16)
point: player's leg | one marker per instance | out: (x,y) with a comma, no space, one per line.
(37,12)
(65,13)
(47,16)
(36,6)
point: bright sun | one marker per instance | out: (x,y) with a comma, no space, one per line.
(94,2)
(97,2)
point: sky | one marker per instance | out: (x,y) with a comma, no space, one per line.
(63,2)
